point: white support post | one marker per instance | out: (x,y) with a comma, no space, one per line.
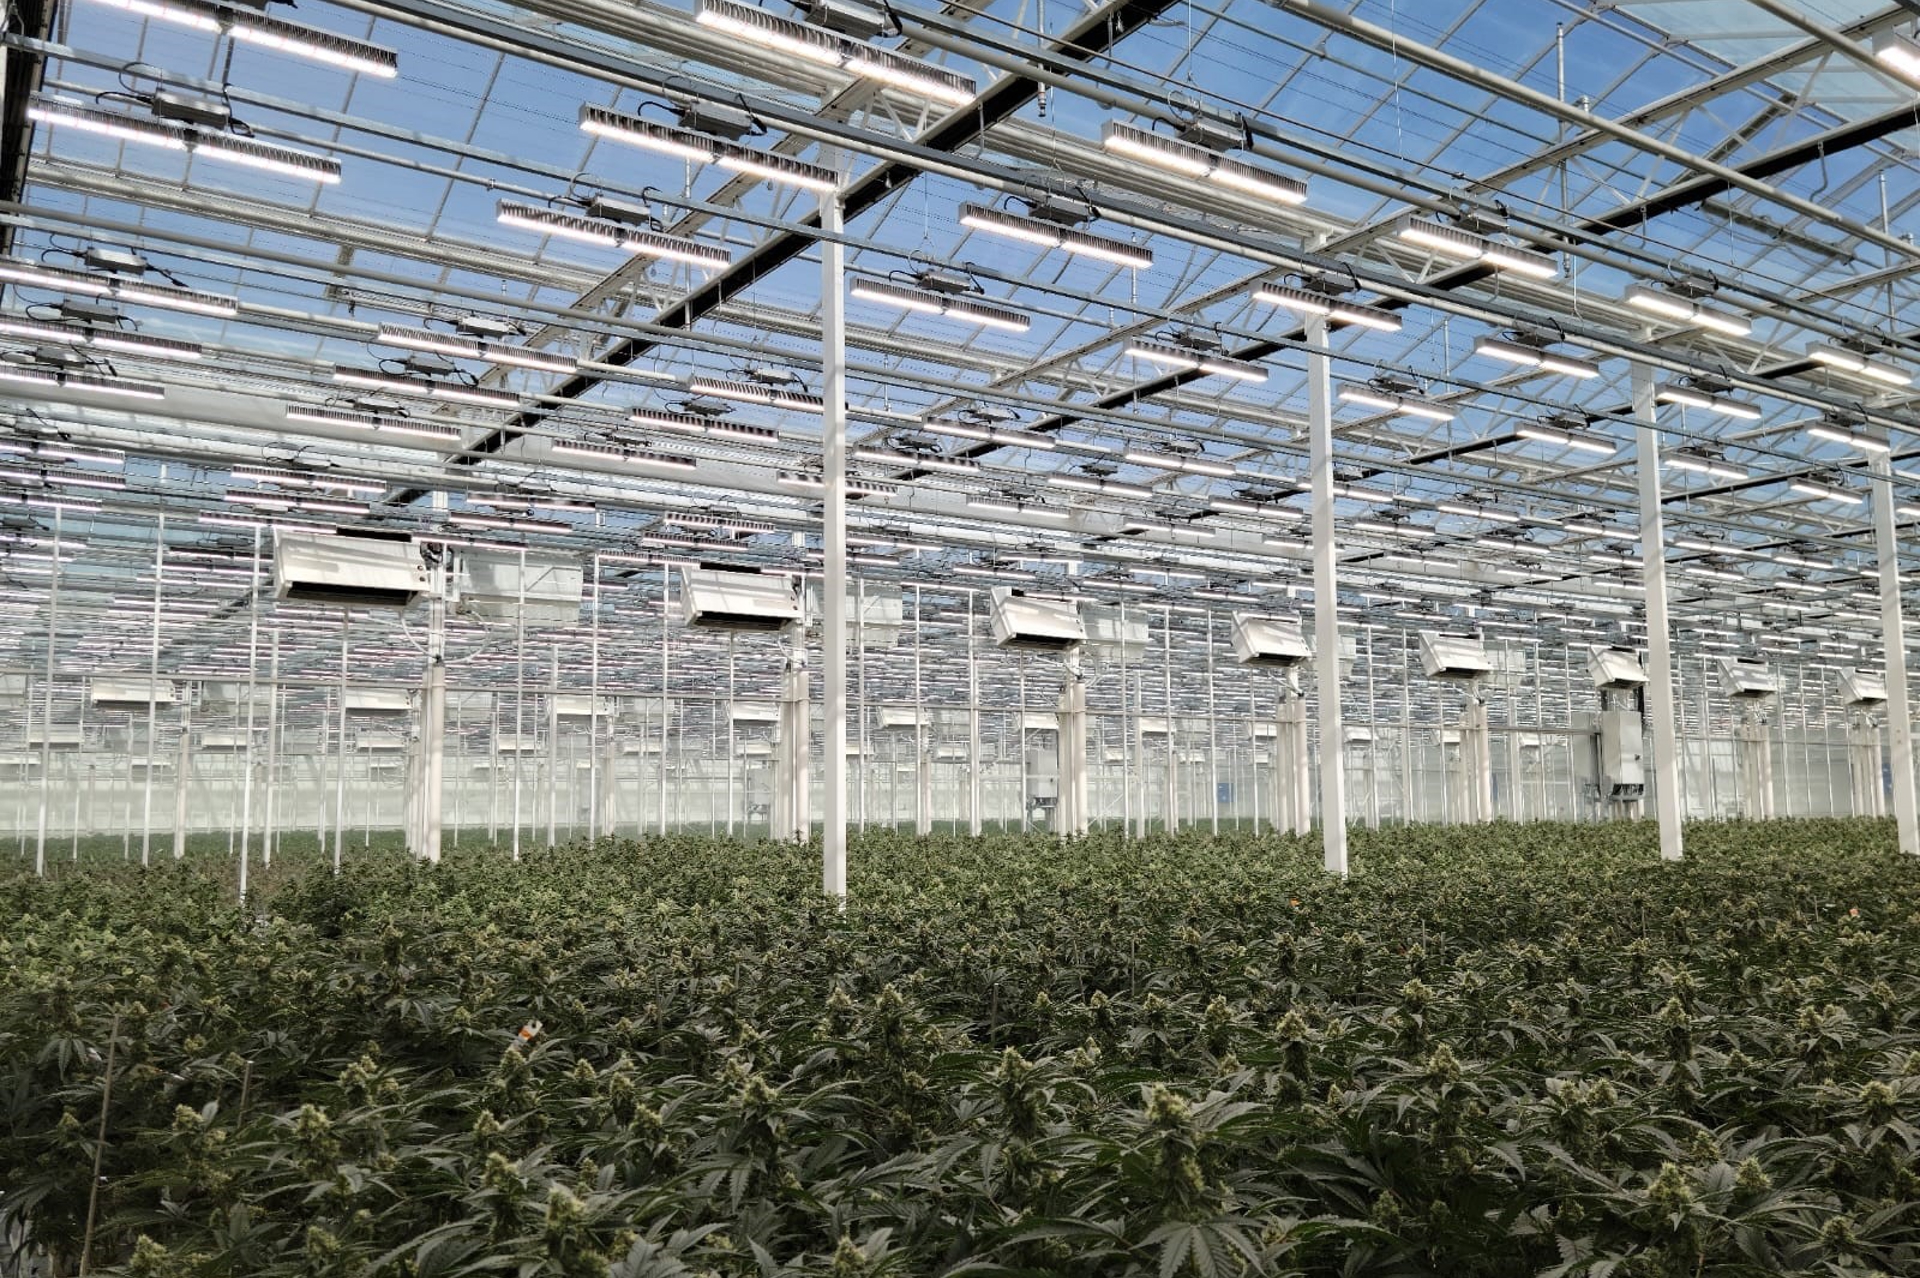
(519,698)
(46,701)
(833,582)
(1661,711)
(922,749)
(182,770)
(153,681)
(253,692)
(595,820)
(666,705)
(1326,600)
(733,740)
(1893,639)
(433,722)
(273,746)
(1071,757)
(553,743)
(1213,739)
(974,815)
(340,749)
(1172,821)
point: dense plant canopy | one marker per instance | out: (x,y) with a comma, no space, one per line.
(1492,1052)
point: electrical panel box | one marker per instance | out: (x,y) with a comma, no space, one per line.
(1623,769)
(1748,680)
(1040,721)
(1615,669)
(581,706)
(130,694)
(1036,623)
(1453,656)
(1111,639)
(499,584)
(1043,778)
(515,743)
(898,717)
(1862,687)
(13,688)
(354,572)
(713,599)
(1269,642)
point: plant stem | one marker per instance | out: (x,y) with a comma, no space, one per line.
(99,1149)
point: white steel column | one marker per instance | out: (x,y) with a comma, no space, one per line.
(1894,639)
(153,680)
(46,701)
(833,463)
(1213,738)
(595,821)
(1172,821)
(340,750)
(253,693)
(273,745)
(973,724)
(1071,757)
(553,743)
(433,721)
(1661,711)
(922,748)
(666,683)
(1326,591)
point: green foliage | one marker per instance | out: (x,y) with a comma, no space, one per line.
(1492,1052)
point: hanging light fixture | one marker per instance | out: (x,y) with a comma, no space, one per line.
(1835,431)
(1855,359)
(1320,296)
(702,148)
(1053,223)
(1569,432)
(1809,487)
(683,423)
(1699,462)
(243,20)
(1708,397)
(1392,394)
(386,424)
(937,301)
(1475,244)
(461,346)
(405,384)
(1680,303)
(60,279)
(1201,162)
(173,135)
(823,46)
(99,337)
(1188,351)
(611,231)
(1529,350)
(1899,52)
